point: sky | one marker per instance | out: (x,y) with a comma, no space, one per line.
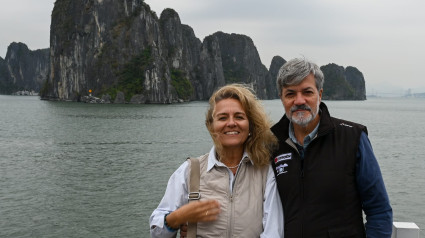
(384,39)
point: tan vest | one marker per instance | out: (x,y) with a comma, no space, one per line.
(241,212)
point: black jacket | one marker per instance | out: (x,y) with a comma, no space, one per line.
(319,194)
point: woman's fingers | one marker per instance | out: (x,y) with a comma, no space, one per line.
(201,211)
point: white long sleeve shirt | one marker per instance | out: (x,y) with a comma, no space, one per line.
(176,195)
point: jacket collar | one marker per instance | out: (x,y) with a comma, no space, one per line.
(212,159)
(281,129)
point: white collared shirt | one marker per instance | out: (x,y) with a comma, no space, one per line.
(176,196)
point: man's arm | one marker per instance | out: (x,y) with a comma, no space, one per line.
(374,197)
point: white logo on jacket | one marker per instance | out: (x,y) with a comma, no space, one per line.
(281,169)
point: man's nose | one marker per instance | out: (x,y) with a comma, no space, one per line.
(299,99)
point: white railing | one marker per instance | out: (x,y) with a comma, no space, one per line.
(405,230)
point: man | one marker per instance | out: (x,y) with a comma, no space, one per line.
(325,167)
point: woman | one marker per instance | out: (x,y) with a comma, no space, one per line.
(237,184)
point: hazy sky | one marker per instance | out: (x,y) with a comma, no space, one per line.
(384,39)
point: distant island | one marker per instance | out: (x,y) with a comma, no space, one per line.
(122,52)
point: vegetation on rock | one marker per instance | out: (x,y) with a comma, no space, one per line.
(132,77)
(181,84)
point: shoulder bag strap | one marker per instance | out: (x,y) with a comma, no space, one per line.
(194,194)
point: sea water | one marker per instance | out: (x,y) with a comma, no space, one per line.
(98,170)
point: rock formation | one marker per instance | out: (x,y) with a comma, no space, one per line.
(6,84)
(276,64)
(343,84)
(23,69)
(113,46)
(357,82)
(120,51)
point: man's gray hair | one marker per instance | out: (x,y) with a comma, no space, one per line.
(294,71)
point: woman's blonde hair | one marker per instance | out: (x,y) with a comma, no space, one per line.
(261,142)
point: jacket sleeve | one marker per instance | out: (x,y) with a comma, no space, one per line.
(175,196)
(374,197)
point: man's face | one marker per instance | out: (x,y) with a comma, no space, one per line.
(302,101)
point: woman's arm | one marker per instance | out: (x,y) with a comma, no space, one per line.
(174,209)
(175,196)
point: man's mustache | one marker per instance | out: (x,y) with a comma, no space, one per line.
(300,107)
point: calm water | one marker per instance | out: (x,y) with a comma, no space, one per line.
(84,170)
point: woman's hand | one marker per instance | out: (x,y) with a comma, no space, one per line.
(200,211)
(183,231)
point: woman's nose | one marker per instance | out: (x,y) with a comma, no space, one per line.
(231,122)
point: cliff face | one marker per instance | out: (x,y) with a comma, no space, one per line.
(121,50)
(104,45)
(6,83)
(112,46)
(276,64)
(356,80)
(23,69)
(241,63)
(343,84)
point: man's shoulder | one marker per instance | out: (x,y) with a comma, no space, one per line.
(281,127)
(345,124)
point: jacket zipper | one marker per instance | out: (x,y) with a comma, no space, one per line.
(232,208)
(289,142)
(231,217)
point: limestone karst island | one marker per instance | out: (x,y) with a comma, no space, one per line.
(122,52)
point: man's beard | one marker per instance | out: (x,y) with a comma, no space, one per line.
(300,118)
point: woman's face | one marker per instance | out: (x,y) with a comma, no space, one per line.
(230,124)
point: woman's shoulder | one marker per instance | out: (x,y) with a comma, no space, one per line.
(201,157)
